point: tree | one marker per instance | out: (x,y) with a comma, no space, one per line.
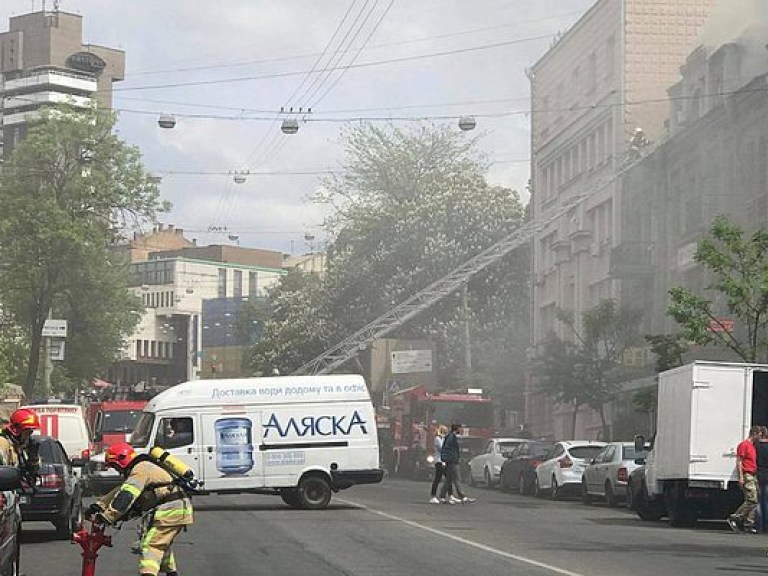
(739,266)
(294,328)
(67,191)
(589,368)
(13,352)
(409,206)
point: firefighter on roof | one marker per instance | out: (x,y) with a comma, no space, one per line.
(148,488)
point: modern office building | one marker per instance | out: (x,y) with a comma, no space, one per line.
(598,83)
(43,60)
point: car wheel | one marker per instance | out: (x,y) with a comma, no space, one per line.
(291,497)
(537,488)
(586,497)
(471,480)
(521,486)
(610,497)
(69,524)
(314,492)
(557,492)
(488,480)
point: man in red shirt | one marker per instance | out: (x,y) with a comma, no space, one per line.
(747,469)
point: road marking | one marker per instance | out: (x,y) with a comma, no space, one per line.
(477,545)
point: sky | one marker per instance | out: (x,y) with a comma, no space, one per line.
(224,69)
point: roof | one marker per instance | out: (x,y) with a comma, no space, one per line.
(233,393)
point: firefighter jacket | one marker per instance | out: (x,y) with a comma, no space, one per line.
(148,487)
(12,454)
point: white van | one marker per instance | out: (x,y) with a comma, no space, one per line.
(302,437)
(66,423)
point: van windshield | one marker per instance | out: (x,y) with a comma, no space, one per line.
(143,430)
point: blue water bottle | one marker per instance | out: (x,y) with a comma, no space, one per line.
(234,449)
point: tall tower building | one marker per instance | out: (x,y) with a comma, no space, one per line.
(597,84)
(43,60)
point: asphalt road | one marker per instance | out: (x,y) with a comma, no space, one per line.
(390,529)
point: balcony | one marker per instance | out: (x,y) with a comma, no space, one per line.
(632,259)
(581,241)
(46,97)
(562,252)
(53,78)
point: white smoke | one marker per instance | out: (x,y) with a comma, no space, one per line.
(730,19)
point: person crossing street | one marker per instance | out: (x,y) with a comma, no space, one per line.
(147,489)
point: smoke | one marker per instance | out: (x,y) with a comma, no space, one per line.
(730,19)
(742,22)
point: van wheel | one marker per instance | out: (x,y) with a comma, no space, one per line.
(291,497)
(314,492)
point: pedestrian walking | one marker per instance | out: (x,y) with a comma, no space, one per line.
(439,466)
(450,455)
(746,466)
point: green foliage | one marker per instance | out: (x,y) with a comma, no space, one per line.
(67,191)
(669,350)
(588,368)
(739,268)
(294,328)
(14,350)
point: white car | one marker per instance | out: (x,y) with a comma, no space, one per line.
(564,466)
(607,474)
(486,467)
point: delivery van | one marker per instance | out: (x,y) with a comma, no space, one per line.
(66,423)
(300,437)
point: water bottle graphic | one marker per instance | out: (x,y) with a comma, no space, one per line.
(234,449)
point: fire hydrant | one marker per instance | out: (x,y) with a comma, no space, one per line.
(91,541)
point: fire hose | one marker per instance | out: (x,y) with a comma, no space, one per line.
(91,541)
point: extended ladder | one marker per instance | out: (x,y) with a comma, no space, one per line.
(384,324)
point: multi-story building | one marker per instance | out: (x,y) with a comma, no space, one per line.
(43,60)
(712,164)
(600,81)
(194,299)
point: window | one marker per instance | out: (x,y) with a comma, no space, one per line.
(174,433)
(222,282)
(140,436)
(585,452)
(253,284)
(592,73)
(237,284)
(610,57)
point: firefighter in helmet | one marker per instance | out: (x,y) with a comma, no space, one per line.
(17,448)
(147,489)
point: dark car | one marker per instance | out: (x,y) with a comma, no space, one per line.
(57,497)
(518,471)
(10,521)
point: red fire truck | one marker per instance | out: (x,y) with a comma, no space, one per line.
(407,427)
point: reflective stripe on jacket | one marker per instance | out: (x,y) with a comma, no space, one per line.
(150,487)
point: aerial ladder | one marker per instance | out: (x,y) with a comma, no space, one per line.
(351,346)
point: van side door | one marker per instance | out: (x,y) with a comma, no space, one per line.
(230,451)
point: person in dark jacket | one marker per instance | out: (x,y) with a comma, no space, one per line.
(450,454)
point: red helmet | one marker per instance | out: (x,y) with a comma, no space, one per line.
(23,419)
(120,455)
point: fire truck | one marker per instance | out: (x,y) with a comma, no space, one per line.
(407,427)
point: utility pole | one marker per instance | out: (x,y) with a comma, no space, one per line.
(48,361)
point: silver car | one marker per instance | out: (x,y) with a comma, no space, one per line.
(607,474)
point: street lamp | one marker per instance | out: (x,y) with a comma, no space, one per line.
(467,123)
(166,121)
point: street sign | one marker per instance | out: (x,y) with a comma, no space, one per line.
(406,361)
(57,349)
(55,329)
(393,386)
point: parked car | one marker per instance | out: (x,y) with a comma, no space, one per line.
(607,474)
(638,500)
(10,521)
(519,470)
(486,467)
(58,496)
(470,447)
(562,470)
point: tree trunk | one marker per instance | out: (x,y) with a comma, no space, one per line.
(36,346)
(606,429)
(573,422)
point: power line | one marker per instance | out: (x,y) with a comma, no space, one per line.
(371,47)
(354,66)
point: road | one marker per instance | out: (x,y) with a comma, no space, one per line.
(390,529)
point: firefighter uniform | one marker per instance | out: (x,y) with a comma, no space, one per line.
(149,488)
(13,454)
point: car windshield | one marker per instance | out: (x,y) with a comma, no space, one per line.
(120,421)
(468,414)
(585,452)
(46,452)
(140,436)
(508,446)
(472,446)
(629,453)
(541,450)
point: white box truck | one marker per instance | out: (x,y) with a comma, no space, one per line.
(302,437)
(704,410)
